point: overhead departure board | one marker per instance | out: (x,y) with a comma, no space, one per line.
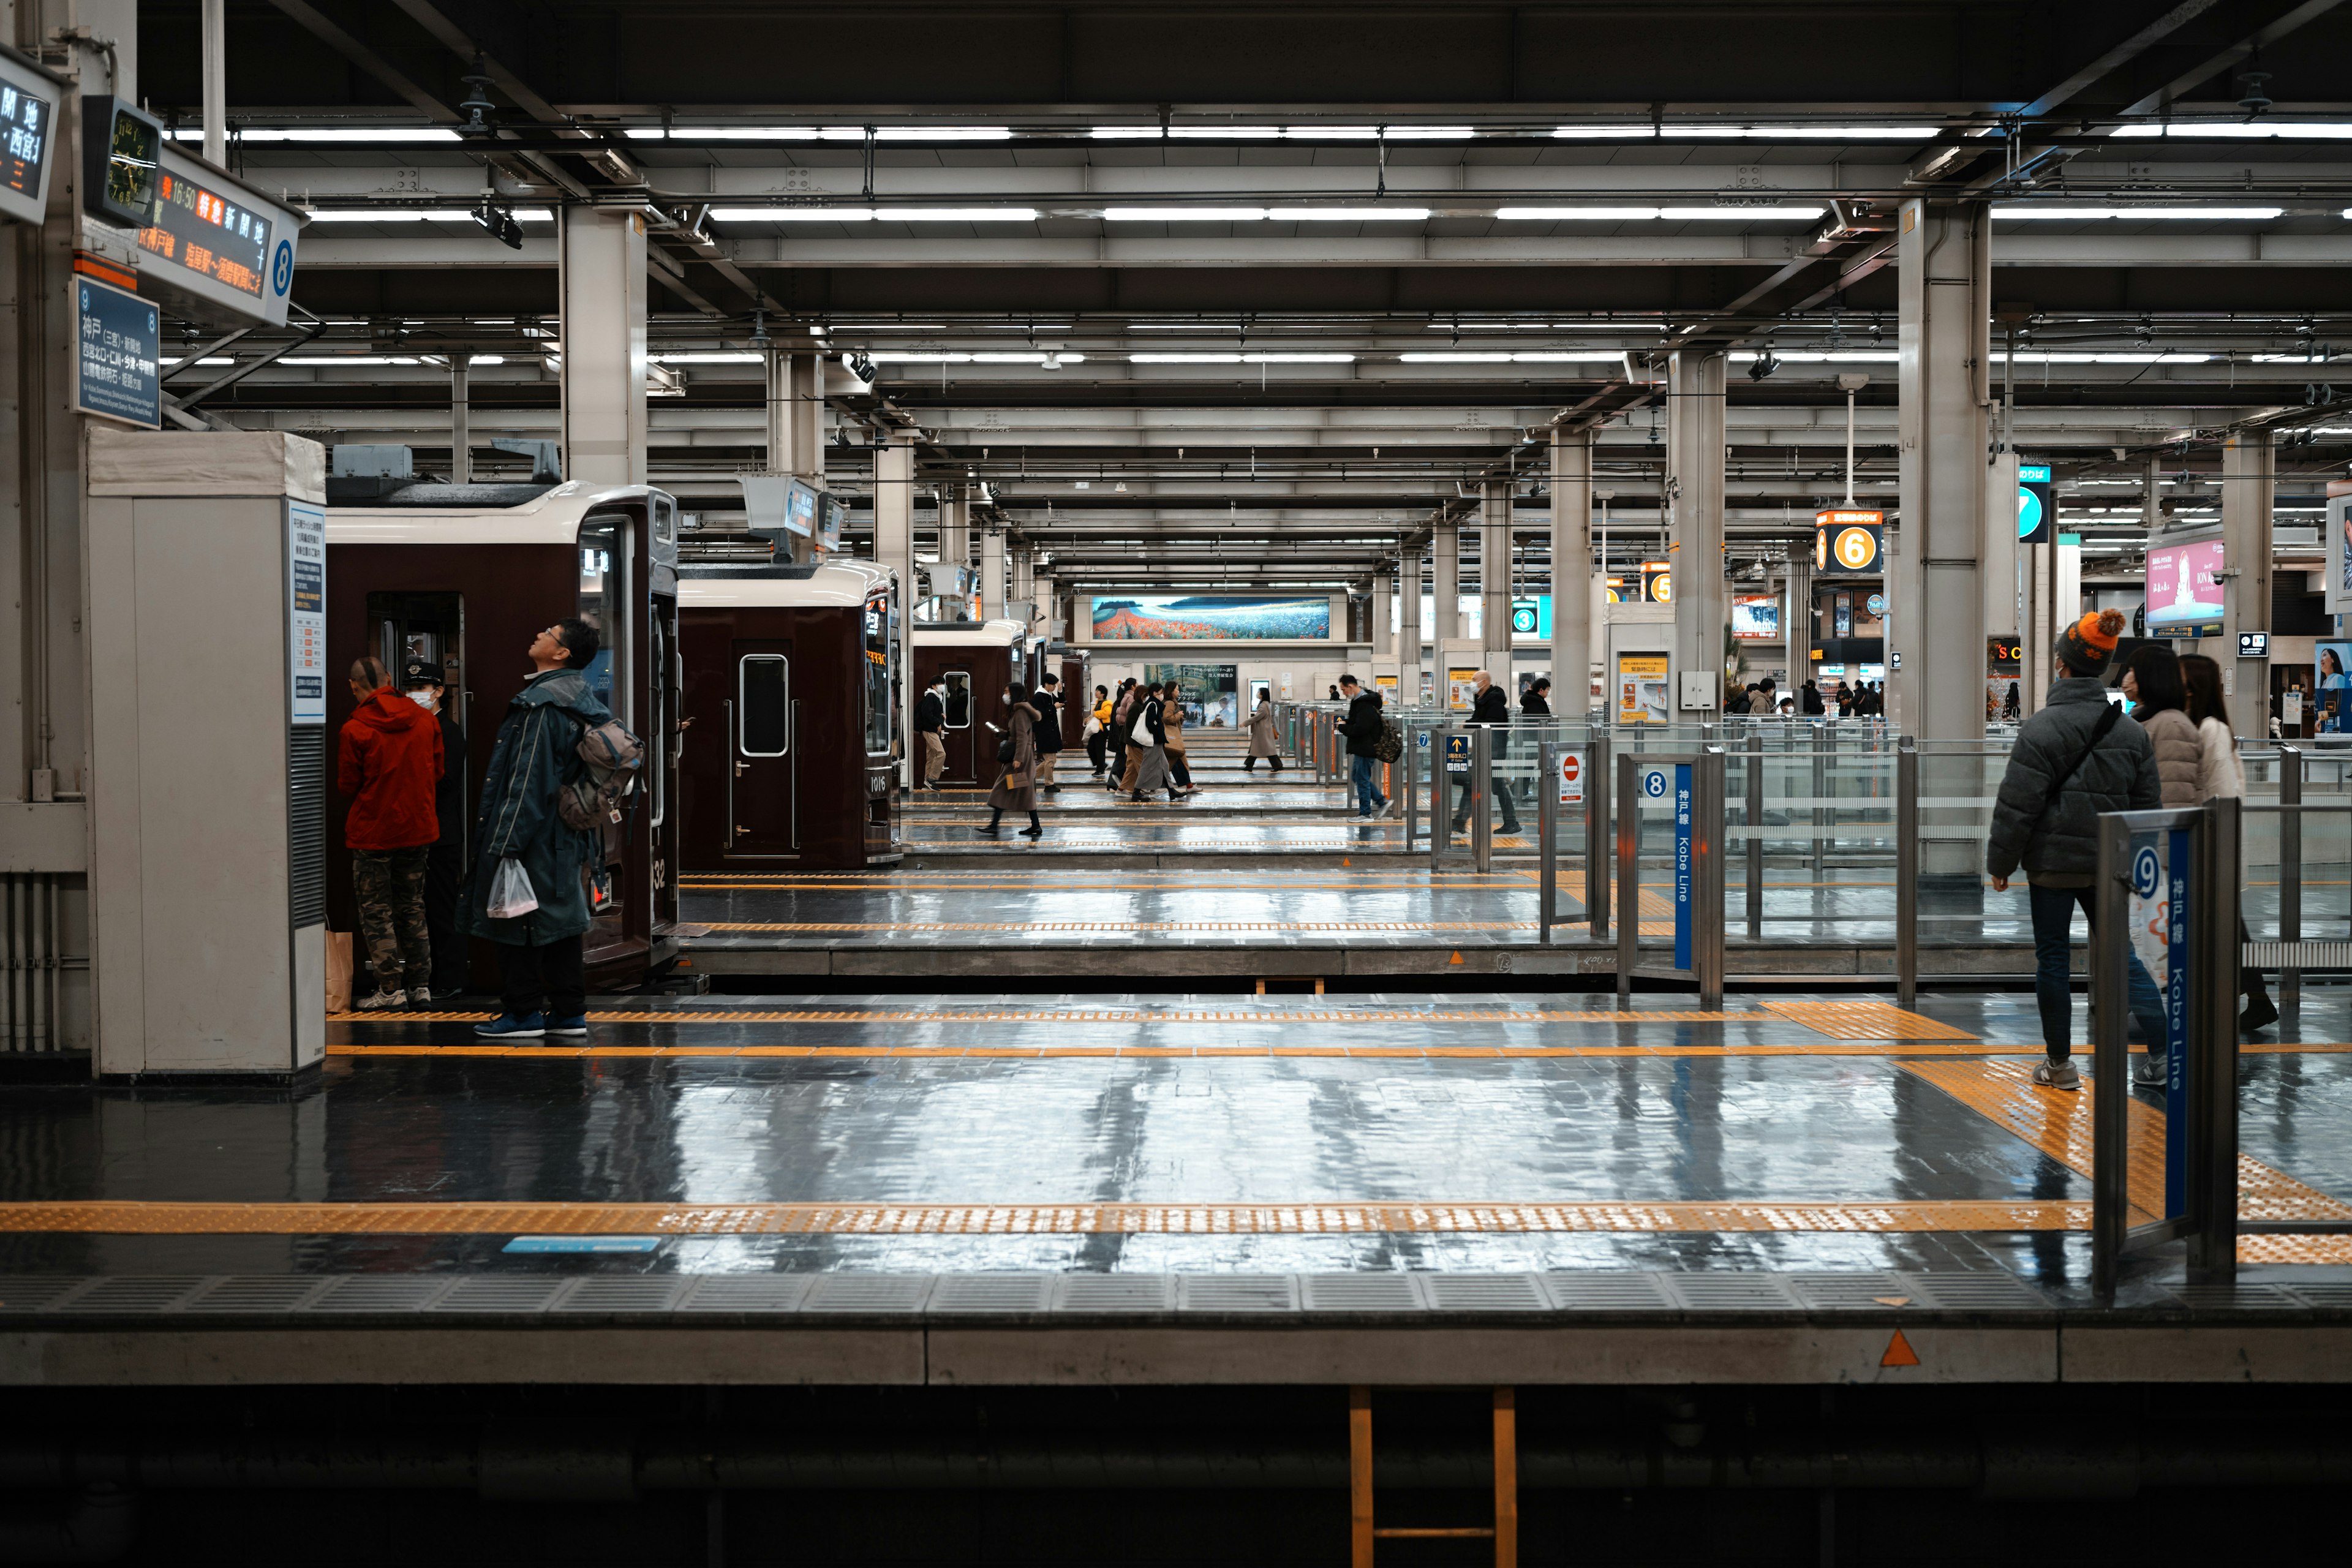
(28,108)
(212,240)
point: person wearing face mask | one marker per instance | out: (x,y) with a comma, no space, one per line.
(444,864)
(1016,785)
(388,766)
(930,713)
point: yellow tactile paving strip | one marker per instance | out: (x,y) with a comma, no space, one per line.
(1000,1219)
(1867,1021)
(1155,927)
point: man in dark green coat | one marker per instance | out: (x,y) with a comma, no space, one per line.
(544,987)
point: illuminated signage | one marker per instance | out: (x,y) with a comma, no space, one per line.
(1848,542)
(2037,503)
(800,510)
(208,244)
(28,108)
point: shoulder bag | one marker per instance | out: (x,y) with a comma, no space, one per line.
(2098,733)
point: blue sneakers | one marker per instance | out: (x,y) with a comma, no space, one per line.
(576,1027)
(506,1027)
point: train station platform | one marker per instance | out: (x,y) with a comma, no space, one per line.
(1401,1188)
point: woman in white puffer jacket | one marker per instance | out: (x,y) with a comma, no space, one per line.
(2222,777)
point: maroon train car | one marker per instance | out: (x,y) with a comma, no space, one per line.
(1072,666)
(789,758)
(977,659)
(467,575)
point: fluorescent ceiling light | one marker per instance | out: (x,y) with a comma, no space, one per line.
(1528,356)
(1348,215)
(1241,358)
(1430,133)
(327,135)
(706,357)
(2034,356)
(1225,133)
(486,359)
(1648,215)
(1813,132)
(824,133)
(421,215)
(936,356)
(942,133)
(2251,129)
(208,359)
(729,134)
(2021,210)
(1589,132)
(1284,133)
(875,215)
(345,359)
(1837,356)
(1183,215)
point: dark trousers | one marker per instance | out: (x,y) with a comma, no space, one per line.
(549,979)
(1096,744)
(2053,948)
(1498,788)
(445,876)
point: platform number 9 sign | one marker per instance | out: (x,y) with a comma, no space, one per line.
(2147,873)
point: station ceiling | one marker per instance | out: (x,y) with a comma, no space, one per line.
(1246,294)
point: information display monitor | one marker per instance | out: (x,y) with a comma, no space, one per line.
(211,240)
(29,97)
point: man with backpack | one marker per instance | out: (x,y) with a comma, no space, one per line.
(2078,757)
(1364,727)
(522,831)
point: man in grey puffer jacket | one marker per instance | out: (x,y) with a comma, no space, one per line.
(2056,838)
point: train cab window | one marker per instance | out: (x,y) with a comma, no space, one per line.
(882,677)
(959,702)
(763,697)
(604,564)
(429,628)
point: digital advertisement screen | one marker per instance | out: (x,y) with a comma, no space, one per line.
(1195,618)
(2184,585)
(1209,692)
(1756,617)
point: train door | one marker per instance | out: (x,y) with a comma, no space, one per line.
(430,627)
(762,794)
(956,730)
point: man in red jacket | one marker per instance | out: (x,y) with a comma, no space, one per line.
(388,764)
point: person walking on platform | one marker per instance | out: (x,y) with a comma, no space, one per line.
(2222,776)
(2076,758)
(543,981)
(1122,734)
(1492,709)
(1171,725)
(1016,785)
(1363,727)
(930,714)
(1098,729)
(1047,705)
(388,764)
(444,865)
(1149,769)
(1535,706)
(1261,728)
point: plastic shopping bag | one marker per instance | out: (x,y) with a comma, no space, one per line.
(510,892)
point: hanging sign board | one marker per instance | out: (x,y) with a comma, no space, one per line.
(28,111)
(1847,542)
(211,246)
(2037,503)
(118,341)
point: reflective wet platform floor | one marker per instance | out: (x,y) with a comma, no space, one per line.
(939,1155)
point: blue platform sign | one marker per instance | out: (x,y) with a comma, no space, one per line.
(1682,866)
(119,344)
(1457,753)
(2176,1033)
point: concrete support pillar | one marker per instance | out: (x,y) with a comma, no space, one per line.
(601,262)
(1945,270)
(461,424)
(1022,587)
(1384,641)
(1410,651)
(1695,431)
(1571,572)
(991,574)
(2249,469)
(894,550)
(1495,582)
(955,529)
(1445,617)
(2151,496)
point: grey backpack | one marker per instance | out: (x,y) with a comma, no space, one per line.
(610,760)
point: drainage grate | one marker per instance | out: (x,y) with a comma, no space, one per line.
(1977,1290)
(1486,1293)
(867,1293)
(1601,1291)
(33,1292)
(746,1293)
(1867,1291)
(501,1295)
(381,1293)
(1730,1293)
(654,1293)
(1360,1293)
(1238,1292)
(993,1293)
(136,1294)
(256,1293)
(1115,1294)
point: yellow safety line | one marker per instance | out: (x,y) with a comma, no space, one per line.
(1106,926)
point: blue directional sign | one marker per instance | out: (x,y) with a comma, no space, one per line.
(2036,502)
(2176,1031)
(1682,866)
(1457,753)
(1654,784)
(118,342)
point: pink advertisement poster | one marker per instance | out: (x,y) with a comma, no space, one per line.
(2184,585)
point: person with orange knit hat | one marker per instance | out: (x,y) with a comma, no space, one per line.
(2079,757)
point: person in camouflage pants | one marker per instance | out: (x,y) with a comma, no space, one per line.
(389,886)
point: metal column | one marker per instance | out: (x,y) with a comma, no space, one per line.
(1571,575)
(894,550)
(1695,403)
(2290,917)
(1495,582)
(2248,469)
(1598,859)
(601,268)
(1906,872)
(1753,816)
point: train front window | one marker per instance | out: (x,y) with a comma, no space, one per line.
(603,565)
(958,699)
(764,693)
(881,676)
